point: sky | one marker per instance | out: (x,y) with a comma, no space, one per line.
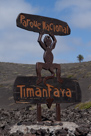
(20,46)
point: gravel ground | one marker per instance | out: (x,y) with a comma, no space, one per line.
(27,117)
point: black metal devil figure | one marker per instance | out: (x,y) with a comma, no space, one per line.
(48,45)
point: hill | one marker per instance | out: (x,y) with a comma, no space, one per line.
(9,72)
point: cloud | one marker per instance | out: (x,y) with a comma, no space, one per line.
(10,9)
(62,45)
(20,45)
(62,51)
(81,5)
(16,45)
(79,11)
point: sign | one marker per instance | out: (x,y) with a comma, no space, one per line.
(26,91)
(38,24)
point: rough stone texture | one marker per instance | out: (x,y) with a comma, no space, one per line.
(80,126)
(82,131)
(52,129)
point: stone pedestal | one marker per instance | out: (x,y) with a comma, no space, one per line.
(46,128)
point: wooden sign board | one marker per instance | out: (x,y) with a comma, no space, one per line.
(26,91)
(38,24)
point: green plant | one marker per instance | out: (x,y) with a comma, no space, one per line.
(80,57)
(85,105)
(69,76)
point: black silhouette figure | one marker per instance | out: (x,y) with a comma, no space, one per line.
(48,46)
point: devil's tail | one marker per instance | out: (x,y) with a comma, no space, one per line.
(46,78)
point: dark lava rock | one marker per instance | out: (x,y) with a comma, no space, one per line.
(61,132)
(29,117)
(33,131)
(82,131)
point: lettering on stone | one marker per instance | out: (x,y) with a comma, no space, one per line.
(39,23)
(26,91)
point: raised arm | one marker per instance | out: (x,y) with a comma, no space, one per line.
(40,41)
(54,41)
